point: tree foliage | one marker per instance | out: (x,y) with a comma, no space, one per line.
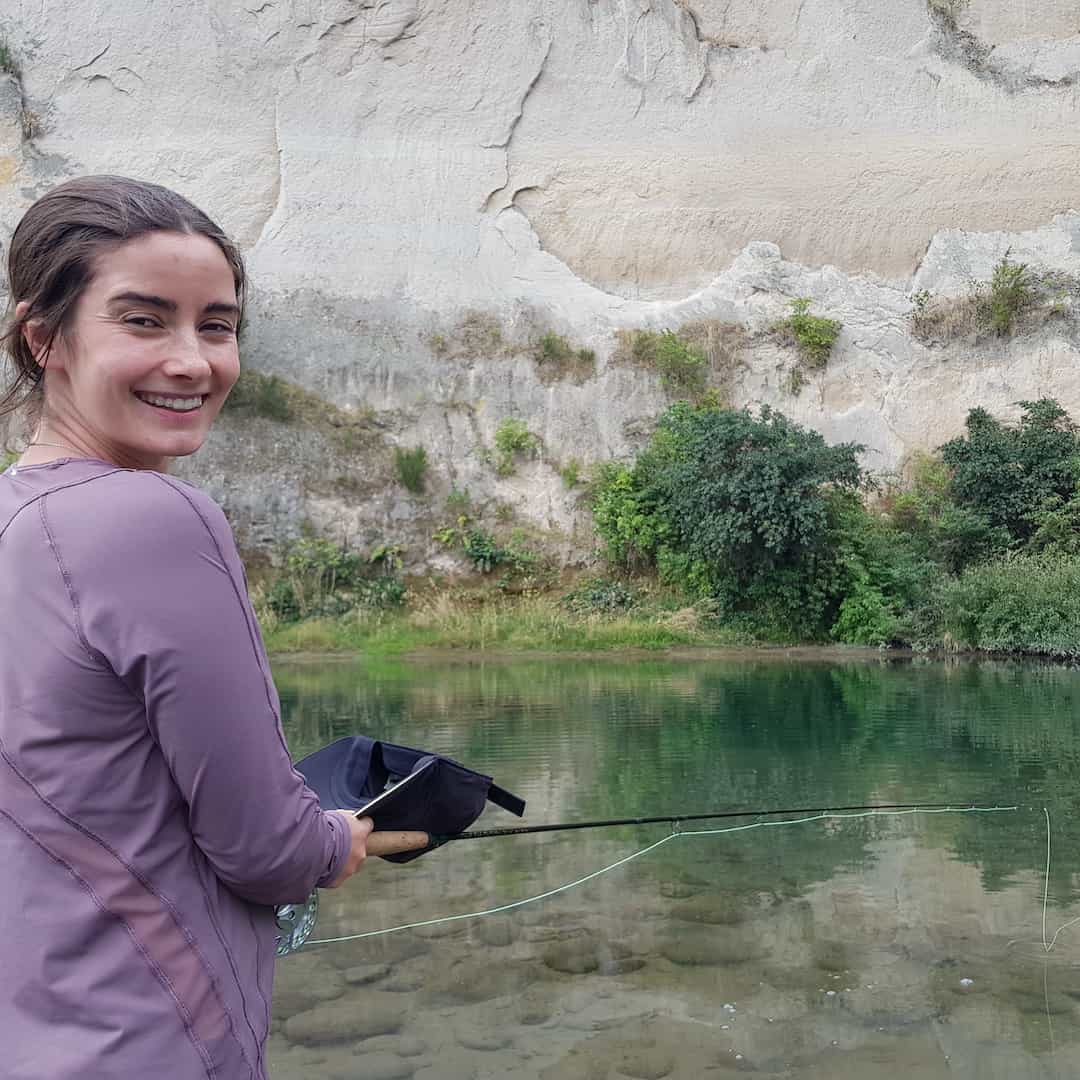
(736,507)
(1010,475)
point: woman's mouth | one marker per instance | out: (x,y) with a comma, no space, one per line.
(171,402)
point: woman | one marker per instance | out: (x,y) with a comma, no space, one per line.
(150,817)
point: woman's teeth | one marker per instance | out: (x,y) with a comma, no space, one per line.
(176,404)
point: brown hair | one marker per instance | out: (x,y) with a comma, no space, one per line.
(52,254)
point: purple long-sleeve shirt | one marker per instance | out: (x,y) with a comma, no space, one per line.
(149,813)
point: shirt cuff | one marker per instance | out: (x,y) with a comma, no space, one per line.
(342,840)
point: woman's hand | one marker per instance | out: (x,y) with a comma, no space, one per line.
(358,832)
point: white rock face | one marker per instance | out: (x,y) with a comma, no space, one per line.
(583,166)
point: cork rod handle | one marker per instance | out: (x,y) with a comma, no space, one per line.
(393,841)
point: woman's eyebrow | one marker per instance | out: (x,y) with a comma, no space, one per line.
(144,298)
(218,307)
(215,307)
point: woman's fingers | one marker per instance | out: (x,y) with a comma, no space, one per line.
(359,829)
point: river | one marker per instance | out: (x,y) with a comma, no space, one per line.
(909,945)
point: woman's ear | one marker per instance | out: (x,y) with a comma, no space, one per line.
(34,334)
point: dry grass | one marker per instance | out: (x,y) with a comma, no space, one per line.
(947,318)
(477,335)
(981,314)
(479,620)
(721,342)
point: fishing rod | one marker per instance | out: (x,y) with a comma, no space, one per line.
(295,922)
(396,841)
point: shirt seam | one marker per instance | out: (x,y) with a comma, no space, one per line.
(181,1008)
(270,705)
(72,596)
(163,900)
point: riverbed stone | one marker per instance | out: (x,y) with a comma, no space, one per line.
(584,953)
(645,1062)
(358,1016)
(717,909)
(473,979)
(693,946)
(402,1045)
(404,982)
(534,1007)
(304,985)
(498,931)
(481,1034)
(454,1063)
(362,974)
(375,1066)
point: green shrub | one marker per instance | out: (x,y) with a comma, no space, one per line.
(1021,604)
(482,550)
(412,468)
(8,64)
(626,517)
(1004,474)
(813,335)
(9,458)
(570,471)
(599,596)
(681,365)
(1011,294)
(866,617)
(558,359)
(457,501)
(320,578)
(260,395)
(512,437)
(740,508)
(887,574)
(379,593)
(1057,525)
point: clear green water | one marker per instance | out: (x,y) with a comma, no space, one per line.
(893,946)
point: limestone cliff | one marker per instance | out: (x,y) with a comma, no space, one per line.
(424,189)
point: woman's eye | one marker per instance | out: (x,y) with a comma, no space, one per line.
(220,328)
(141,321)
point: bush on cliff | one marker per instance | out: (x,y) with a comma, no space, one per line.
(735,507)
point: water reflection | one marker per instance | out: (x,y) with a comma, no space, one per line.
(831,949)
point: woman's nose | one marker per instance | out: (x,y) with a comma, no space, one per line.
(186,357)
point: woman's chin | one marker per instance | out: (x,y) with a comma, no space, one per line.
(175,445)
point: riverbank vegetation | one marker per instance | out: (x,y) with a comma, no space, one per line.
(733,527)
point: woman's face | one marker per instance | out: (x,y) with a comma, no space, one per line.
(150,354)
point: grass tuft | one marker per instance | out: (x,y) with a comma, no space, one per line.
(412,468)
(813,335)
(557,360)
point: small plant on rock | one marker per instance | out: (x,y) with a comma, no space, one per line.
(412,468)
(557,359)
(8,64)
(682,366)
(512,437)
(1011,294)
(570,471)
(813,335)
(261,395)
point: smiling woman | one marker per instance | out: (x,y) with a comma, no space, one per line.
(150,817)
(133,367)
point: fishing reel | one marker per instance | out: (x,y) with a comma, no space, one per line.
(295,923)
